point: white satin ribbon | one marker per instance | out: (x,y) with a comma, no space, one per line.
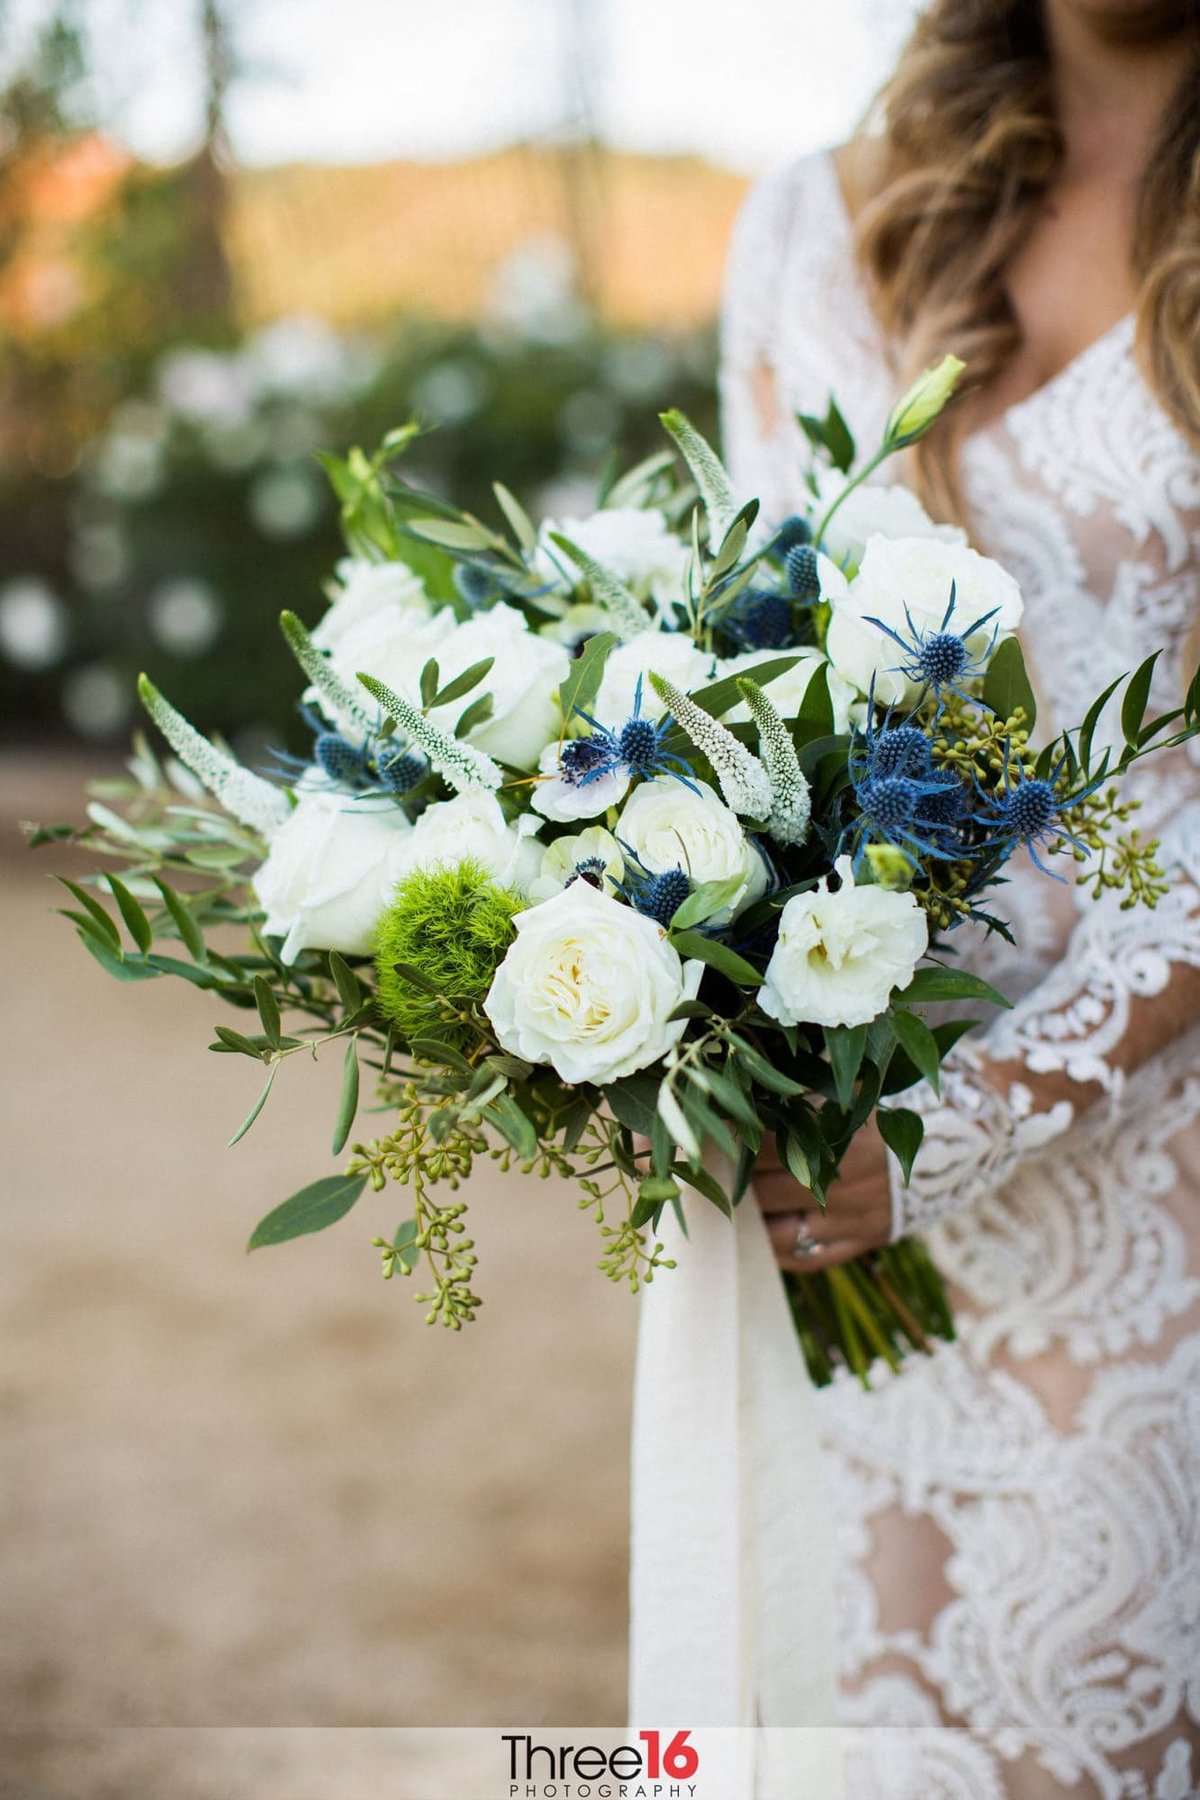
(731,1583)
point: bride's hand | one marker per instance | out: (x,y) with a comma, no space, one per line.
(857,1216)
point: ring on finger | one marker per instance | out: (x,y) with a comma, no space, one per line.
(805,1243)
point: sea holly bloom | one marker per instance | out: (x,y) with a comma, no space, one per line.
(666,829)
(1027,810)
(942,659)
(606,761)
(902,798)
(659,895)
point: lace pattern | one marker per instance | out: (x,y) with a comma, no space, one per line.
(1020,1513)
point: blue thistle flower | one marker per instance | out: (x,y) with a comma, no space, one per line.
(399,769)
(794,532)
(658,896)
(636,748)
(341,760)
(760,620)
(902,799)
(941,659)
(475,583)
(898,750)
(803,577)
(1028,809)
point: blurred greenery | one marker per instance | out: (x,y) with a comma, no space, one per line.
(160,499)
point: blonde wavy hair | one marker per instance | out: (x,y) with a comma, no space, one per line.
(969,147)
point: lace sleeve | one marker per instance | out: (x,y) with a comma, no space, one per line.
(1128,985)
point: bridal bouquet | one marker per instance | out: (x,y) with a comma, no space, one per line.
(624,843)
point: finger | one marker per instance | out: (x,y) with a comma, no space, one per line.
(825,1253)
(786,1230)
(777,1191)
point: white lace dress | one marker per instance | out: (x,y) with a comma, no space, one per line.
(1019,1516)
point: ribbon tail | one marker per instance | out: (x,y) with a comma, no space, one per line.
(731,1582)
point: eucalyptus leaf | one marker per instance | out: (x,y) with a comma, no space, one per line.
(582,681)
(314,1208)
(718,956)
(248,1121)
(348,1105)
(136,922)
(268,1011)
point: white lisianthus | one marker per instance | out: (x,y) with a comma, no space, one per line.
(588,986)
(911,578)
(381,622)
(669,653)
(523,681)
(669,825)
(563,797)
(330,872)
(472,828)
(875,509)
(593,854)
(634,543)
(839,955)
(787,692)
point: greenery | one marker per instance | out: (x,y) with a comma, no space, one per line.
(446,929)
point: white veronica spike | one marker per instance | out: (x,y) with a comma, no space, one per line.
(628,615)
(461,764)
(343,701)
(742,778)
(253,801)
(791,799)
(716,489)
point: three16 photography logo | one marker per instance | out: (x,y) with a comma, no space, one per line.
(657,1767)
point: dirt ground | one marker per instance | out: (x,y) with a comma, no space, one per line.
(257,1491)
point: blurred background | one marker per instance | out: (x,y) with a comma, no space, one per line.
(233,231)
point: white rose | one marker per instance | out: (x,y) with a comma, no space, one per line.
(633,543)
(588,986)
(472,828)
(787,692)
(671,654)
(381,622)
(331,871)
(667,825)
(839,955)
(876,510)
(911,578)
(523,681)
(593,854)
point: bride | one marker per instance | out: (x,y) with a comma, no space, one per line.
(1019,1516)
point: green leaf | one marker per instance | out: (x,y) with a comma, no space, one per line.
(934,982)
(190,934)
(705,900)
(764,1072)
(677,1125)
(513,1126)
(348,1105)
(1007,685)
(93,907)
(814,717)
(268,1012)
(346,981)
(718,956)
(137,924)
(846,1045)
(462,684)
(583,679)
(1087,730)
(416,977)
(1133,706)
(405,1244)
(519,521)
(122,968)
(436,1050)
(234,1040)
(902,1132)
(704,1182)
(248,1121)
(633,1101)
(451,534)
(478,713)
(919,1045)
(430,676)
(320,1204)
(831,434)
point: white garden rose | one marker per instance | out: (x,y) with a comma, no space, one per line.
(668,824)
(635,544)
(839,955)
(330,872)
(671,654)
(588,986)
(523,681)
(787,692)
(472,828)
(382,623)
(876,509)
(911,578)
(593,855)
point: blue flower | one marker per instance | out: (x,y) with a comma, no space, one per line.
(902,798)
(476,583)
(803,575)
(660,895)
(794,531)
(398,768)
(941,659)
(760,620)
(336,757)
(635,748)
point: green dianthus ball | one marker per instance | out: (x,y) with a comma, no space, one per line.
(454,925)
